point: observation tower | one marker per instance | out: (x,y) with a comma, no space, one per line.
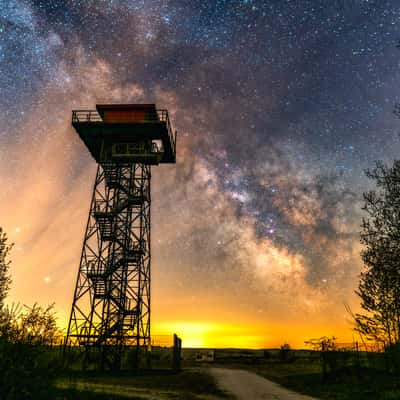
(111,304)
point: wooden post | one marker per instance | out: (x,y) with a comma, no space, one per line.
(176,357)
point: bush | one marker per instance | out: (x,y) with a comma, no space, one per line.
(27,363)
(286,354)
(26,371)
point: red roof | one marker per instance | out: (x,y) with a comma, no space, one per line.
(102,108)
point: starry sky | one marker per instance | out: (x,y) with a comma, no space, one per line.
(279,106)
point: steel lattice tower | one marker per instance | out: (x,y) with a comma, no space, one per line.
(111,304)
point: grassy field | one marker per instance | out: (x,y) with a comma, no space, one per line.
(303,375)
(185,385)
(347,384)
(301,372)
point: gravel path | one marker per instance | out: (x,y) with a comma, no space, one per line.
(244,385)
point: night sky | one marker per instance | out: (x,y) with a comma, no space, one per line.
(279,106)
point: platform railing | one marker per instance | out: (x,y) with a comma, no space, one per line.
(163,116)
(86,116)
(79,116)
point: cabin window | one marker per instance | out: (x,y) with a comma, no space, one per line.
(130,149)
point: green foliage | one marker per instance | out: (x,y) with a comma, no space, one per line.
(379,286)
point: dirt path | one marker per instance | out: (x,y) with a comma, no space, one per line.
(244,385)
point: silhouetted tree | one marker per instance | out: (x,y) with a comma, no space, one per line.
(379,286)
(5,279)
(32,325)
(286,354)
(324,343)
(27,365)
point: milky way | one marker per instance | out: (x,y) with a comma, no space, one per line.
(279,108)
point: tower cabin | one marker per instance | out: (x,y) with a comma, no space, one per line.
(126,134)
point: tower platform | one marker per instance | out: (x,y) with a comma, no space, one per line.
(127,133)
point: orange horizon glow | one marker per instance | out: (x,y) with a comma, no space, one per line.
(215,335)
